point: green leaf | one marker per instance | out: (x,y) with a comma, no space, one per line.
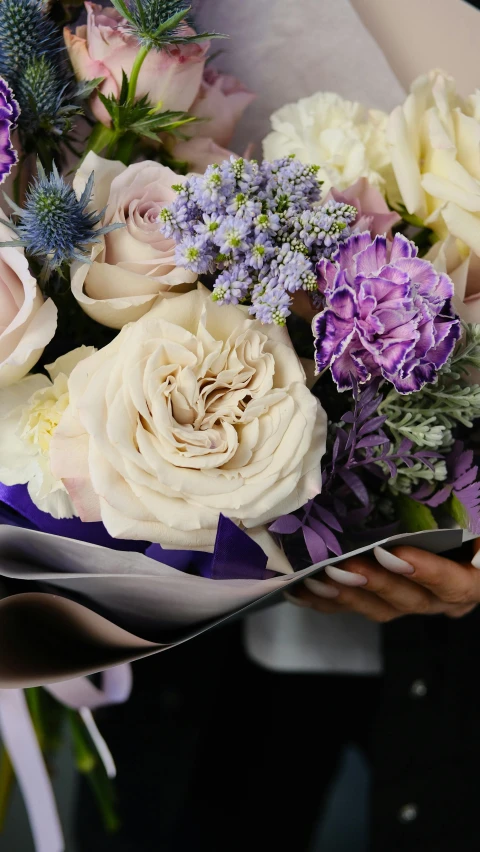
(109,103)
(86,87)
(124,90)
(458,512)
(413,516)
(172,22)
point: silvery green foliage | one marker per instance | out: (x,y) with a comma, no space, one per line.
(429,417)
(407,479)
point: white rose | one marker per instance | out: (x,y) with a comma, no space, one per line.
(30,411)
(27,323)
(346,140)
(435,147)
(130,266)
(192,411)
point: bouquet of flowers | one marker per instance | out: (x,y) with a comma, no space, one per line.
(217,375)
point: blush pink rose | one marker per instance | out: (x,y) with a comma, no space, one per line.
(199,152)
(220,104)
(104,48)
(374,214)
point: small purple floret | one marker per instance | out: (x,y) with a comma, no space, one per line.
(386,313)
(9,113)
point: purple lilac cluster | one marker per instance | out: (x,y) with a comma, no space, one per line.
(9,114)
(259,228)
(387,313)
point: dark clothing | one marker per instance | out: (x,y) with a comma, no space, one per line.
(215,753)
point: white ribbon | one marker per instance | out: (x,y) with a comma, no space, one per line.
(21,743)
(24,751)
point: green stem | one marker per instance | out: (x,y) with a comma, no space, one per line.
(85,756)
(100,138)
(7,780)
(88,763)
(132,84)
(34,705)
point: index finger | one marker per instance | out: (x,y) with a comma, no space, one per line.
(452,582)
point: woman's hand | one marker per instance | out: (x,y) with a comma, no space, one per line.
(404,581)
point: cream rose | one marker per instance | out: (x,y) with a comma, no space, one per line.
(27,323)
(435,147)
(346,140)
(130,267)
(30,412)
(192,411)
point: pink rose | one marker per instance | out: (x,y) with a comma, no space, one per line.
(104,48)
(220,103)
(132,267)
(199,153)
(27,323)
(374,214)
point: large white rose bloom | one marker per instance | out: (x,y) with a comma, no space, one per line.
(435,147)
(30,411)
(192,411)
(345,139)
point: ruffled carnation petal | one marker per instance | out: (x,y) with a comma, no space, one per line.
(371,258)
(387,313)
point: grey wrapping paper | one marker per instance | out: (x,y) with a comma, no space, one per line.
(125,609)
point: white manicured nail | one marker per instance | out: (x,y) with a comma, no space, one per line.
(297,601)
(391,562)
(346,578)
(476,560)
(322,590)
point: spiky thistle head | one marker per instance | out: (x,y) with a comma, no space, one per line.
(34,61)
(45,99)
(25,31)
(160,23)
(55,225)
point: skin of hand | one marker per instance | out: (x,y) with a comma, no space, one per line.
(404,581)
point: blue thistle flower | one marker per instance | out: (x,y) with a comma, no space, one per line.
(44,99)
(159,23)
(56,225)
(25,31)
(33,60)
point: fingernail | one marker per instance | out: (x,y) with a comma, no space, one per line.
(346,578)
(391,562)
(297,601)
(476,560)
(323,590)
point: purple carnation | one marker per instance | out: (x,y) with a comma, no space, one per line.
(9,113)
(387,313)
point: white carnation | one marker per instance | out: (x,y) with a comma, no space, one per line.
(345,139)
(30,412)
